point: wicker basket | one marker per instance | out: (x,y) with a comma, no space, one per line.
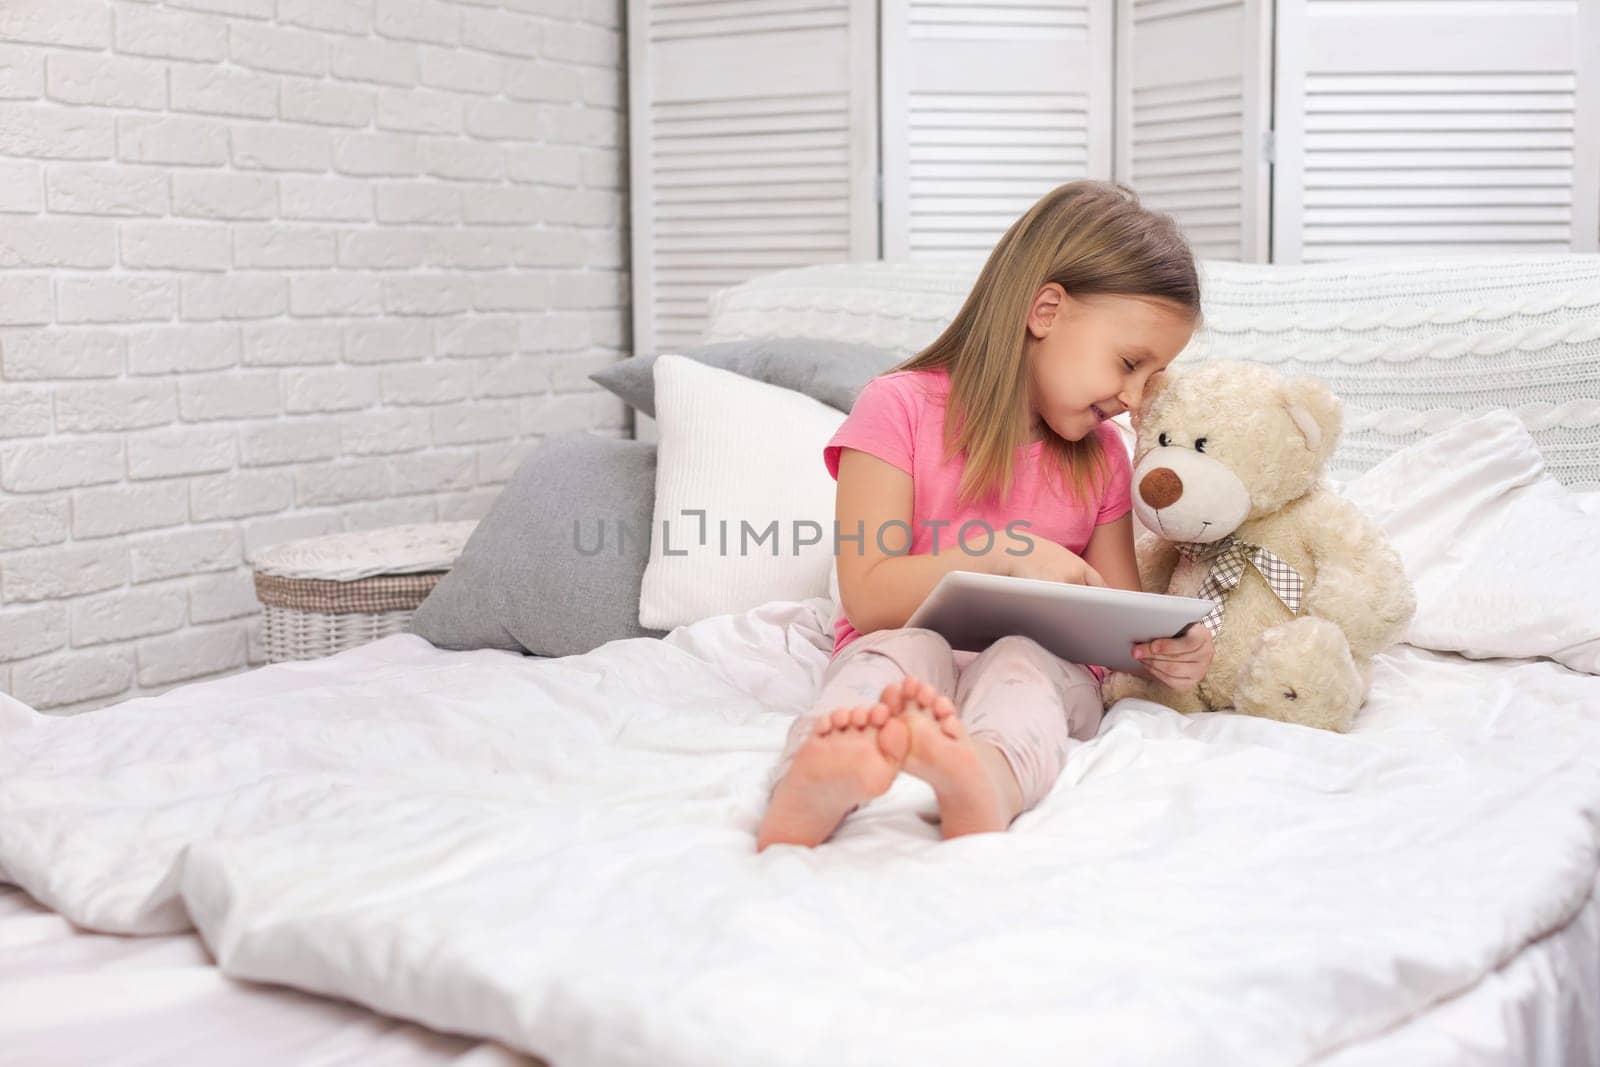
(326,594)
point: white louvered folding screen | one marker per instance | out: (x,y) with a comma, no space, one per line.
(1193,110)
(1401,127)
(753,139)
(1436,126)
(987,105)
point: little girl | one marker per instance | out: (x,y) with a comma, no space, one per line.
(990,451)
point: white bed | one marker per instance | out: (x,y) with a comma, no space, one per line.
(540,853)
(161,1000)
(70,997)
(406,855)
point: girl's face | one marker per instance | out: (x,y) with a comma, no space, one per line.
(1089,358)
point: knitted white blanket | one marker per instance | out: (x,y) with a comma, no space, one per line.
(1410,345)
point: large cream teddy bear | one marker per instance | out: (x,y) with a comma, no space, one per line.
(1228,487)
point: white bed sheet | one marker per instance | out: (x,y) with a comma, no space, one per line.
(70,997)
(161,1000)
(558,855)
(1542,1009)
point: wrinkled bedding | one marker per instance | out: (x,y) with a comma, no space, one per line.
(558,854)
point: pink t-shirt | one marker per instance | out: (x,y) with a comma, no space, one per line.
(899,418)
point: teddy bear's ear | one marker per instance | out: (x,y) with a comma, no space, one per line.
(1316,411)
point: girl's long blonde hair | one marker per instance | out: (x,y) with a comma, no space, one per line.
(1089,237)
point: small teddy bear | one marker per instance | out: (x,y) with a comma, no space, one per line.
(1228,487)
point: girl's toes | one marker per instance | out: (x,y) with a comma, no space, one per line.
(841,718)
(894,740)
(943,708)
(909,687)
(858,716)
(824,725)
(878,714)
(927,695)
(892,698)
(951,727)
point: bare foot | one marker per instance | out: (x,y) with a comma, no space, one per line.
(853,755)
(944,756)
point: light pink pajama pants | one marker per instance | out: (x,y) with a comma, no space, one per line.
(1029,703)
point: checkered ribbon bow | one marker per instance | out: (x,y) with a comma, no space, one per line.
(1229,557)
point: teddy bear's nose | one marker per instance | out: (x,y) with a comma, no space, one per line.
(1161,487)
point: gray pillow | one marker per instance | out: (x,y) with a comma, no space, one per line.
(830,371)
(546,571)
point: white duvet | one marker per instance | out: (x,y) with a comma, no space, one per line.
(560,854)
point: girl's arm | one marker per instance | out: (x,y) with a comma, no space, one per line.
(1111,552)
(879,590)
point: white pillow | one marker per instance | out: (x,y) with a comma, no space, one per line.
(741,451)
(1506,561)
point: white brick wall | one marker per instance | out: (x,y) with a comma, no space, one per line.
(273,268)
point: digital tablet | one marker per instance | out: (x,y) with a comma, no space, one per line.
(1080,623)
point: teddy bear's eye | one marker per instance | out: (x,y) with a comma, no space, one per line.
(1163,440)
(1200,444)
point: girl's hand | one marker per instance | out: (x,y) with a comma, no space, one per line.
(1052,562)
(1178,662)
